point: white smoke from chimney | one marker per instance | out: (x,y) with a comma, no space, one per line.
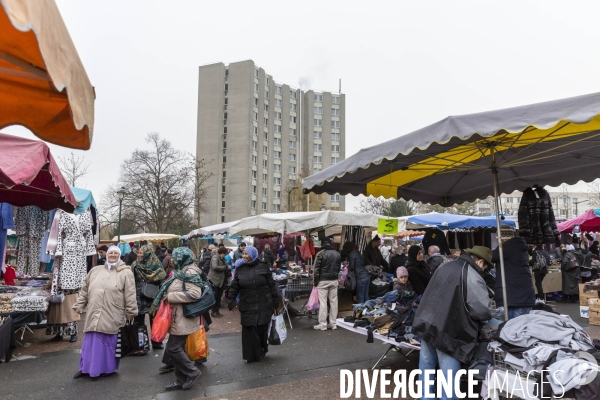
(304,83)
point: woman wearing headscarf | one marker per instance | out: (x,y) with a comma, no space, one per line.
(258,297)
(419,272)
(108,293)
(147,270)
(173,293)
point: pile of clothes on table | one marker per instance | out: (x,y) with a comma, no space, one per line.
(6,302)
(547,341)
(15,299)
(390,315)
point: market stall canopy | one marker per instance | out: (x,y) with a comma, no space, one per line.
(410,233)
(450,162)
(589,221)
(43,85)
(84,199)
(211,230)
(150,237)
(29,176)
(445,221)
(308,221)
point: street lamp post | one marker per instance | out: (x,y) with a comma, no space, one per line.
(577,202)
(120,194)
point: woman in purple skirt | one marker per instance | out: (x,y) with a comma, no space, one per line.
(108,293)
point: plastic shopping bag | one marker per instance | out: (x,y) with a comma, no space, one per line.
(196,345)
(343,276)
(313,300)
(161,323)
(277,330)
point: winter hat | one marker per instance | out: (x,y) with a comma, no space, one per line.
(402,271)
(482,252)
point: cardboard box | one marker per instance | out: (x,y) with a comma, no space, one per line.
(594,304)
(584,312)
(594,318)
(589,293)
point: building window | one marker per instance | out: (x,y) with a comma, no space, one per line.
(335,100)
(254,159)
(335,160)
(264,206)
(335,148)
(293,107)
(292,132)
(255,73)
(222,218)
(277,167)
(277,116)
(335,112)
(277,142)
(255,131)
(223,204)
(335,136)
(318,110)
(277,128)
(317,135)
(319,122)
(222,189)
(253,204)
(226,87)
(317,160)
(265,163)
(224,145)
(266,95)
(266,108)
(292,158)
(277,155)
(254,175)
(319,98)
(265,178)
(335,124)
(255,116)
(256,87)
(226,72)
(224,159)
(292,119)
(292,170)
(293,94)
(266,80)
(253,189)
(266,121)
(265,149)
(335,198)
(276,208)
(317,147)
(256,102)
(315,170)
(277,181)
(254,145)
(278,89)
(276,194)
(264,191)
(266,135)
(225,102)
(292,144)
(278,103)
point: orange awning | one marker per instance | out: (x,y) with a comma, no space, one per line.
(43,85)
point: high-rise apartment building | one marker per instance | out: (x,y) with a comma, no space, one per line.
(262,135)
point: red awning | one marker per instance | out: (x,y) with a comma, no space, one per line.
(29,176)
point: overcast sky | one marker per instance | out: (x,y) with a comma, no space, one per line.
(403,65)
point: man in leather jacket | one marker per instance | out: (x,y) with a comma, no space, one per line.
(327,268)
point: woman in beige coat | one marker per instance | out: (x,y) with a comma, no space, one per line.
(108,293)
(172,292)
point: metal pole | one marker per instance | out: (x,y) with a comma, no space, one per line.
(119,235)
(498,233)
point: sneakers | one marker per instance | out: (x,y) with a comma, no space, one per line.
(320,327)
(332,327)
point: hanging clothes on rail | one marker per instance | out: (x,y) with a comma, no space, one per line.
(6,222)
(536,217)
(30,225)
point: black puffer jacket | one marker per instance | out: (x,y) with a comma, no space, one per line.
(327,265)
(419,275)
(258,293)
(519,285)
(372,256)
(536,218)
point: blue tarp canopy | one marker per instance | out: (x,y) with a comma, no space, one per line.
(453,221)
(84,199)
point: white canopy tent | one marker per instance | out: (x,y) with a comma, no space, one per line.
(211,230)
(309,221)
(151,237)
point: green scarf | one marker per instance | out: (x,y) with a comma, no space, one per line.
(150,267)
(182,257)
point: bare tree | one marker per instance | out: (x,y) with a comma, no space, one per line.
(594,189)
(73,168)
(291,194)
(160,186)
(381,206)
(201,178)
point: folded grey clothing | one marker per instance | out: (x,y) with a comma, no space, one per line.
(538,355)
(519,364)
(567,374)
(541,326)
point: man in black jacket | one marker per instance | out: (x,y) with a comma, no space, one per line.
(132,255)
(327,268)
(268,256)
(455,302)
(372,254)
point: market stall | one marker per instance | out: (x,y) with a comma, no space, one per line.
(223,228)
(589,221)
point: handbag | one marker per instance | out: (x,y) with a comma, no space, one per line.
(150,290)
(350,281)
(201,305)
(56,298)
(127,340)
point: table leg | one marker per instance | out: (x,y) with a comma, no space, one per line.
(383,356)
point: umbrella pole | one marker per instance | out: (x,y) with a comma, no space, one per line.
(498,233)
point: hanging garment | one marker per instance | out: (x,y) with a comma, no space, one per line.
(6,222)
(536,217)
(30,225)
(355,234)
(435,237)
(75,242)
